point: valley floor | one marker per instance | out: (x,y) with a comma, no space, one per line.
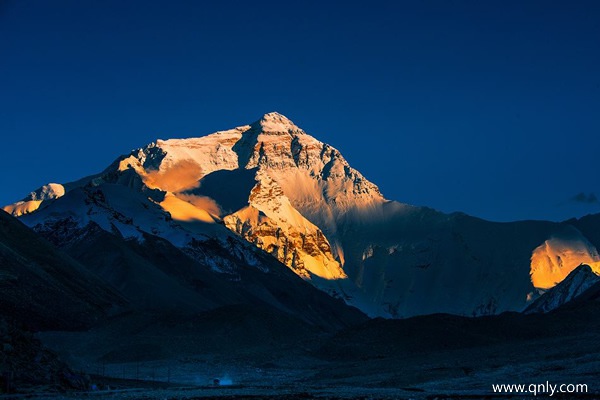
(304,374)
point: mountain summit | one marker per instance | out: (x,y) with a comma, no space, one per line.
(271,186)
(274,122)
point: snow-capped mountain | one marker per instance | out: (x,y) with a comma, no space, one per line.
(33,200)
(551,261)
(299,200)
(577,282)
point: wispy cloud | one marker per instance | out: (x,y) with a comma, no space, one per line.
(201,202)
(182,175)
(589,198)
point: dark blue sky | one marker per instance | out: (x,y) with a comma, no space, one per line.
(488,107)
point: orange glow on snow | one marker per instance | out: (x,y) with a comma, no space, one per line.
(22,207)
(201,202)
(552,261)
(178,177)
(181,210)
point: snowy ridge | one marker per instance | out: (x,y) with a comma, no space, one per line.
(34,200)
(577,282)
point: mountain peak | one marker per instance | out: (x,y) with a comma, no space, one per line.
(275,117)
(274,122)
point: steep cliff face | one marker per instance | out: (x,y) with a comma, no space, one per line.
(314,176)
(272,224)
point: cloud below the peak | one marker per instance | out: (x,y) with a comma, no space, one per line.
(202,202)
(182,175)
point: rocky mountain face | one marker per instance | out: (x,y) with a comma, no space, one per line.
(269,187)
(298,243)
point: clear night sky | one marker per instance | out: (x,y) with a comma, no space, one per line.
(487,107)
